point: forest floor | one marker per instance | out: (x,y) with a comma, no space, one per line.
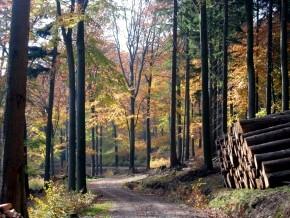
(127,203)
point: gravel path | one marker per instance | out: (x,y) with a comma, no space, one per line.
(128,204)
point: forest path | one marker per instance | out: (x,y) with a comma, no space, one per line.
(126,203)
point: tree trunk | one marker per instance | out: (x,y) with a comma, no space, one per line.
(97,150)
(225,68)
(250,60)
(67,37)
(132,132)
(101,150)
(205,96)
(173,156)
(93,156)
(49,127)
(115,135)
(179,122)
(148,122)
(187,100)
(284,56)
(81,131)
(13,182)
(269,58)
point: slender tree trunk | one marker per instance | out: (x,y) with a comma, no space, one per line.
(187,100)
(269,58)
(148,122)
(257,106)
(284,56)
(93,156)
(173,156)
(179,122)
(205,95)
(101,150)
(67,37)
(97,150)
(81,131)
(49,127)
(250,60)
(13,181)
(115,135)
(225,68)
(132,132)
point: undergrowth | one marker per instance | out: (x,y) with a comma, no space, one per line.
(58,202)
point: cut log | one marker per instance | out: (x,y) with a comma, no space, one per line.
(276,178)
(256,152)
(268,136)
(276,165)
(259,158)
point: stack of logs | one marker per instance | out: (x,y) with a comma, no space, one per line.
(256,152)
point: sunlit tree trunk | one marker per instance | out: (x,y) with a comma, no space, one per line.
(13,181)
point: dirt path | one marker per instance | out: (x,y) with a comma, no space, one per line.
(127,203)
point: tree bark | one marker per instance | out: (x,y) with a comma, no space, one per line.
(97,150)
(148,122)
(205,95)
(173,156)
(187,100)
(269,58)
(93,156)
(132,132)
(81,131)
(284,56)
(101,150)
(67,37)
(115,135)
(13,183)
(250,60)
(225,68)
(49,126)
(179,122)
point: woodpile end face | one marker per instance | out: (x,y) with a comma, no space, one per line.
(256,152)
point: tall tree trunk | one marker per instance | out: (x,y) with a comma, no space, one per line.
(67,37)
(101,150)
(187,100)
(97,150)
(173,156)
(225,68)
(93,156)
(179,122)
(205,94)
(250,60)
(115,135)
(257,106)
(13,181)
(81,131)
(49,127)
(269,58)
(284,56)
(148,122)
(132,131)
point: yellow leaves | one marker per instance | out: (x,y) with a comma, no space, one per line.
(69,20)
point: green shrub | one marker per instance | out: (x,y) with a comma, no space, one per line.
(57,202)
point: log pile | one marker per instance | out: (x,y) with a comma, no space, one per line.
(256,152)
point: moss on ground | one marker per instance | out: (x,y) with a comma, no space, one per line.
(99,209)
